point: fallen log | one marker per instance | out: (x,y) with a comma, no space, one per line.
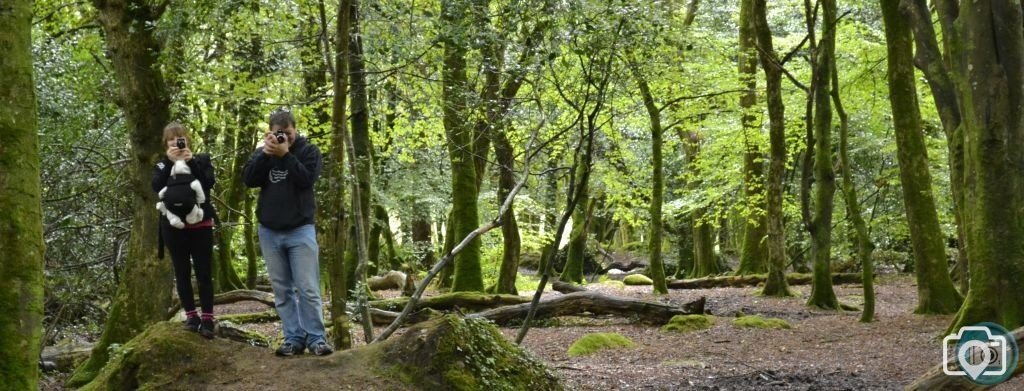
(579,303)
(471,301)
(566,287)
(384,318)
(755,279)
(66,356)
(251,317)
(936,379)
(234,296)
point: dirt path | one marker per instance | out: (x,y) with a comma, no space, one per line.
(823,351)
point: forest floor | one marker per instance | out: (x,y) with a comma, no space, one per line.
(824,350)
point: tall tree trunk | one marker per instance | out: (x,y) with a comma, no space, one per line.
(776,284)
(249,231)
(21,268)
(935,291)
(461,146)
(334,171)
(360,125)
(684,247)
(704,262)
(421,242)
(853,209)
(145,294)
(754,251)
(822,294)
(577,248)
(504,153)
(935,66)
(987,46)
(657,266)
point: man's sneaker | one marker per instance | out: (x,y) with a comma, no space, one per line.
(206,328)
(192,324)
(321,349)
(289,349)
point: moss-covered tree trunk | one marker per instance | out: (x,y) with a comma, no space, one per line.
(935,291)
(461,144)
(657,265)
(422,244)
(144,295)
(684,247)
(775,284)
(822,294)
(987,46)
(334,175)
(754,250)
(936,68)
(360,126)
(853,209)
(504,153)
(21,267)
(577,251)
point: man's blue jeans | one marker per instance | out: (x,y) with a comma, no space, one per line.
(294,268)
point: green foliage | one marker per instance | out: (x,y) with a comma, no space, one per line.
(595,342)
(687,323)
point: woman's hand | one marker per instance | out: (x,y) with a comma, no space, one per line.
(174,154)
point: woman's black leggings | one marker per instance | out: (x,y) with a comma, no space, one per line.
(195,245)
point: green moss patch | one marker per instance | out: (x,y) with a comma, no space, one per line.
(637,279)
(594,342)
(687,323)
(758,322)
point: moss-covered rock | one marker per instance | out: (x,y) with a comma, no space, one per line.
(449,353)
(687,323)
(594,342)
(758,322)
(455,353)
(637,279)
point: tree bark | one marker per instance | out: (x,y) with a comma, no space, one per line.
(21,268)
(935,291)
(754,250)
(504,153)
(988,56)
(145,293)
(776,284)
(929,59)
(863,241)
(822,295)
(334,175)
(462,151)
(657,266)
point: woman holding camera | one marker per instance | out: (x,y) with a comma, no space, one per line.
(192,246)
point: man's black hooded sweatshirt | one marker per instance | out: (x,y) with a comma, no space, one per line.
(286,185)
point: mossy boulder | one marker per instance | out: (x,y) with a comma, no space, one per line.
(449,353)
(637,279)
(758,322)
(687,323)
(594,342)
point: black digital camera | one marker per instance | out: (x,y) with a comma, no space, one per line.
(181,142)
(280,136)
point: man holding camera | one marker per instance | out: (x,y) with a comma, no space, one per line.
(285,167)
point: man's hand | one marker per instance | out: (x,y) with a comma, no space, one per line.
(273,148)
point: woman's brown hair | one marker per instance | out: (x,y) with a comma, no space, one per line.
(174,130)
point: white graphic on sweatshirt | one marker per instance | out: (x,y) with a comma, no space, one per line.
(278,175)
